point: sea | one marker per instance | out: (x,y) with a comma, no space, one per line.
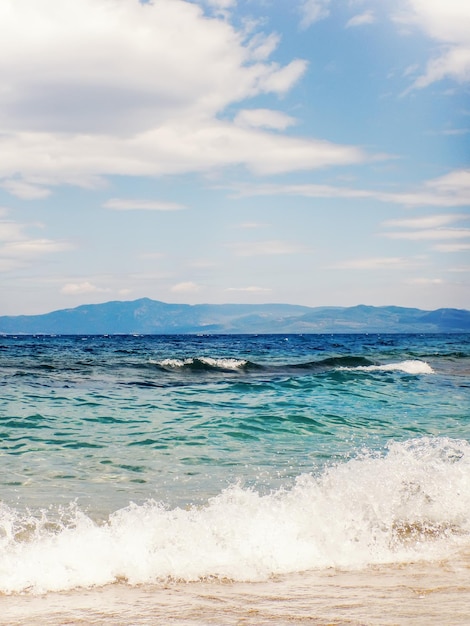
(235,479)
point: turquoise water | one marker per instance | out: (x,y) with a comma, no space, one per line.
(228,457)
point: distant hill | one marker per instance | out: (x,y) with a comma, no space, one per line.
(147,316)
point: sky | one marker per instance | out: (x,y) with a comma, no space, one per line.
(312,152)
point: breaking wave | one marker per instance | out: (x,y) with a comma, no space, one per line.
(202,363)
(352,363)
(412,502)
(409,367)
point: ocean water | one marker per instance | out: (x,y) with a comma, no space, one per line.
(320,479)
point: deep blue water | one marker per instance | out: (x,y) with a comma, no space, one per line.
(95,423)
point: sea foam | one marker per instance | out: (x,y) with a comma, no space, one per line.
(209,362)
(409,367)
(411,503)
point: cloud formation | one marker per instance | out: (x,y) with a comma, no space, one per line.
(19,249)
(428,221)
(361,19)
(438,233)
(251,289)
(27,248)
(119,81)
(448,23)
(127,204)
(24,190)
(80,159)
(373,263)
(98,88)
(450,190)
(266,248)
(452,247)
(264,118)
(312,11)
(429,227)
(78,289)
(425,281)
(185,287)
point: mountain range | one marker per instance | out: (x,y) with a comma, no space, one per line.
(145,316)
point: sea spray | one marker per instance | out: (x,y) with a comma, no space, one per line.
(412,502)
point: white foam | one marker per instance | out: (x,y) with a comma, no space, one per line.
(413,503)
(173,362)
(409,367)
(227,364)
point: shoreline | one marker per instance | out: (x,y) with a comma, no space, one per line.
(430,593)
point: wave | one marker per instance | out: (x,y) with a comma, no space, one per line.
(203,363)
(412,502)
(198,365)
(352,363)
(335,363)
(409,367)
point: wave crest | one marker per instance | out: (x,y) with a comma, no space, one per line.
(202,363)
(409,367)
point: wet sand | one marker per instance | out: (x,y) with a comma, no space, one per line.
(427,594)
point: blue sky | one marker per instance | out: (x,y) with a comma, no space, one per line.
(309,152)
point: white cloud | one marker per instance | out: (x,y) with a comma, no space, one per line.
(455,182)
(373,263)
(438,233)
(450,190)
(266,248)
(24,190)
(264,118)
(425,281)
(18,248)
(119,80)
(169,149)
(449,24)
(454,64)
(33,247)
(312,11)
(99,88)
(452,247)
(411,70)
(11,231)
(74,289)
(429,221)
(124,204)
(185,287)
(261,46)
(360,20)
(281,79)
(251,289)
